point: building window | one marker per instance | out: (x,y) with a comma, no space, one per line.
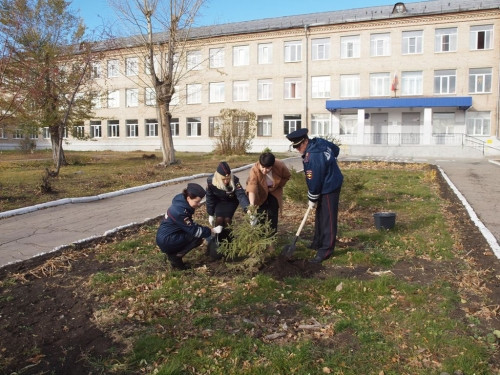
(240,91)
(131,66)
(380,44)
(293,51)
(265,89)
(18,134)
(481,37)
(132,128)
(96,101)
(264,126)
(349,86)
(194,60)
(46,132)
(348,124)
(380,84)
(79,131)
(95,70)
(150,96)
(34,133)
(114,99)
(349,47)
(132,97)
(194,93)
(411,83)
(113,68)
(193,127)
(446,40)
(443,123)
(241,56)
(320,124)
(480,80)
(445,81)
(265,53)
(157,65)
(217,57)
(95,129)
(151,128)
(478,123)
(217,92)
(214,126)
(412,42)
(113,128)
(320,49)
(320,87)
(292,88)
(174,126)
(2,133)
(291,123)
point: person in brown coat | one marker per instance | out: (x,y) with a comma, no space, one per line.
(265,185)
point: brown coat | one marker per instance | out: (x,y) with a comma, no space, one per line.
(256,182)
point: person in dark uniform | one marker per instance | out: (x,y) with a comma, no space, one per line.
(178,233)
(224,194)
(324,181)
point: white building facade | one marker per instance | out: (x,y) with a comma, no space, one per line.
(411,76)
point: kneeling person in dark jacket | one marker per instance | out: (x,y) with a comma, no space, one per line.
(178,233)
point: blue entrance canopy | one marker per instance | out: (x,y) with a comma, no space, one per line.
(462,102)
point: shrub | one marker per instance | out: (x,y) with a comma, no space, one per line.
(235,133)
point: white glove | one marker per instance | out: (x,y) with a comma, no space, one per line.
(211,220)
(312,204)
(253,220)
(217,229)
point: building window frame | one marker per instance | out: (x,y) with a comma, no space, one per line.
(412,42)
(265,89)
(478,123)
(217,92)
(131,66)
(349,85)
(241,55)
(265,53)
(293,51)
(194,60)
(481,37)
(95,129)
(193,93)
(445,81)
(113,128)
(291,123)
(480,80)
(193,127)
(151,128)
(132,98)
(350,47)
(445,40)
(320,87)
(113,100)
(380,84)
(412,83)
(320,49)
(292,88)
(113,66)
(380,44)
(241,91)
(216,57)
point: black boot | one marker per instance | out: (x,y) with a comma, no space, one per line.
(176,262)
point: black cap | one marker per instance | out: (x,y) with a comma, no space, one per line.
(196,190)
(223,169)
(297,137)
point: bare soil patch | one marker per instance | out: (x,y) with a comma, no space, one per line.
(47,313)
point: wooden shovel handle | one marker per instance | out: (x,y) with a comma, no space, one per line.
(303,221)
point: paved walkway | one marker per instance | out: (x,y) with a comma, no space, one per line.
(38,231)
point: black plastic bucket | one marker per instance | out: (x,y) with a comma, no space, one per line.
(384,220)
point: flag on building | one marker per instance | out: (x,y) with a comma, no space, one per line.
(395,82)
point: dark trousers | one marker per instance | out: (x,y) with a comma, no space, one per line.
(325,228)
(271,207)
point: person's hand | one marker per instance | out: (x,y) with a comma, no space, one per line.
(217,229)
(211,220)
(253,220)
(312,204)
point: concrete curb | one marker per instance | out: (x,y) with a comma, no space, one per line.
(472,214)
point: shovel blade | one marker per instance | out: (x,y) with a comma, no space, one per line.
(288,251)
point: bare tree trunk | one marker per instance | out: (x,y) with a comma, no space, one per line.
(58,157)
(167,144)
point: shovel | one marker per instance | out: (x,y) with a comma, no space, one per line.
(288,250)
